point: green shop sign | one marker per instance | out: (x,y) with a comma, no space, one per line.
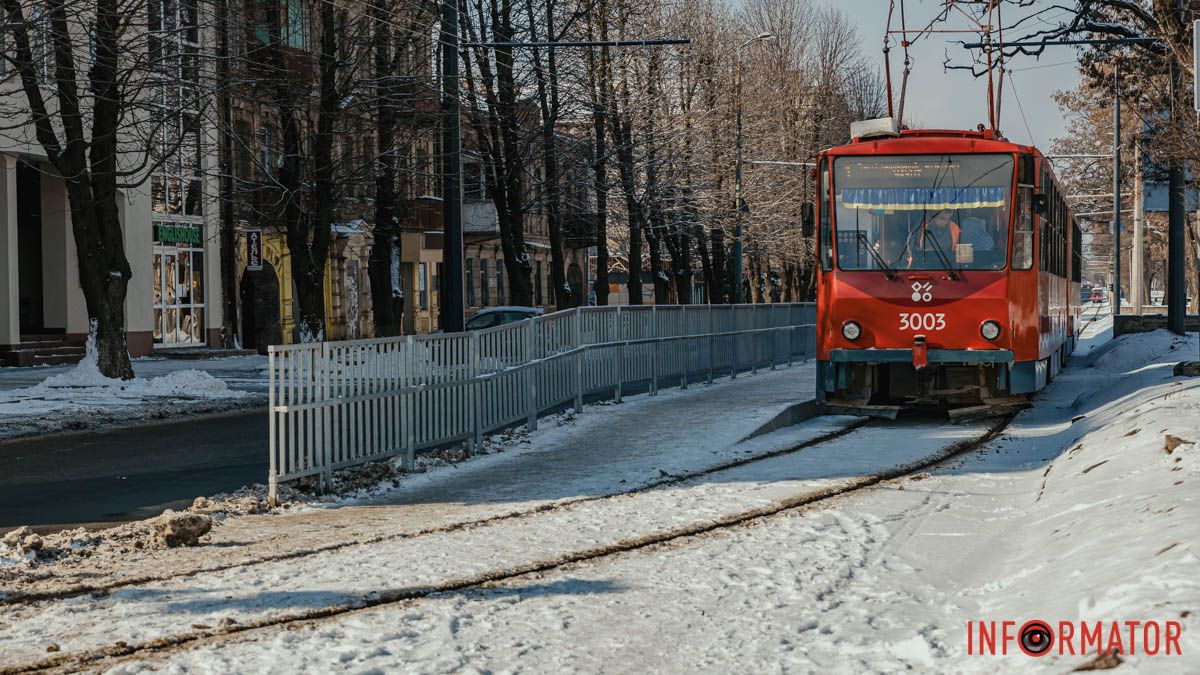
(177,234)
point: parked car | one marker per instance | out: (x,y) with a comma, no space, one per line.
(499,316)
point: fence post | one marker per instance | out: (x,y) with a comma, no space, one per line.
(578,360)
(654,350)
(733,341)
(712,357)
(530,377)
(326,446)
(755,339)
(408,410)
(618,338)
(686,345)
(473,393)
(272,480)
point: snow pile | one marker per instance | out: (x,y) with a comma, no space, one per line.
(81,397)
(87,376)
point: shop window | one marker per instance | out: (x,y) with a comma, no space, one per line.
(178,284)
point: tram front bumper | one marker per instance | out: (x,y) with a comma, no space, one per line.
(836,373)
(961,356)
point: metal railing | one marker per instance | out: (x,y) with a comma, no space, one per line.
(337,404)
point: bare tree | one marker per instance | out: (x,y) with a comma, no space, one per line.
(89,72)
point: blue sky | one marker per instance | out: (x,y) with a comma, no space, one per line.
(954,99)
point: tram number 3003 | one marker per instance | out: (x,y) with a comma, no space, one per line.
(922,321)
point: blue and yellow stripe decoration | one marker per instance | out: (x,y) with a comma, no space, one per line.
(922,199)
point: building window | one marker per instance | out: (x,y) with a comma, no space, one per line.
(41,47)
(483,282)
(470,286)
(499,284)
(173,39)
(293,24)
(178,284)
(422,285)
(537,284)
(270,156)
(243,139)
(473,183)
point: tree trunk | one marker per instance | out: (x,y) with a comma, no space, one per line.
(706,268)
(387,296)
(87,165)
(722,286)
(599,79)
(662,284)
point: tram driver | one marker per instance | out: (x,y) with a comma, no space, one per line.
(939,227)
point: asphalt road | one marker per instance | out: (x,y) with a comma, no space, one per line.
(130,472)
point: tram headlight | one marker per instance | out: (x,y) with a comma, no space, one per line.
(990,330)
(851,330)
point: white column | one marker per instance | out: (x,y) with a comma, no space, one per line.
(1138,253)
(10,316)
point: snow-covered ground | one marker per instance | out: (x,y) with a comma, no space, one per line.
(1084,509)
(53,398)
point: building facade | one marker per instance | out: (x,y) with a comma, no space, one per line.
(169,229)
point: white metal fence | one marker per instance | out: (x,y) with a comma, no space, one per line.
(337,404)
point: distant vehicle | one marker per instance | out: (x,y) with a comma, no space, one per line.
(1097,296)
(489,317)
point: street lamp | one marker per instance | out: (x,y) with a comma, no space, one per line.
(739,204)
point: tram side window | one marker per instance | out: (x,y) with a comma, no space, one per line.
(1022,252)
(826,235)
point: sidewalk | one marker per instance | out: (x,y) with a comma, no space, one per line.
(628,443)
(608,449)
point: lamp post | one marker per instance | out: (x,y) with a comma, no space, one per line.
(739,204)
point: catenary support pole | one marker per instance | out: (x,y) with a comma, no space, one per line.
(1116,221)
(1137,269)
(1176,291)
(738,201)
(451,291)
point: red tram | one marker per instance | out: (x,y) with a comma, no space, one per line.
(948,270)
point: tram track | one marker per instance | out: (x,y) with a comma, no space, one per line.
(111,654)
(564,504)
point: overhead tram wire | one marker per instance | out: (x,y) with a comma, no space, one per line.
(1012,83)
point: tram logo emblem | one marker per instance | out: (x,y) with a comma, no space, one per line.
(922,291)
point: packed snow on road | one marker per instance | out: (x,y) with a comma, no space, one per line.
(587,545)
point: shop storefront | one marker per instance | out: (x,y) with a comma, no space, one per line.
(178,284)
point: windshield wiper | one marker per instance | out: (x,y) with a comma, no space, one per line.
(887,271)
(941,255)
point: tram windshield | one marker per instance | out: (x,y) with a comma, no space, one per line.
(922,212)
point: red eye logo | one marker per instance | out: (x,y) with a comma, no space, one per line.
(1035,638)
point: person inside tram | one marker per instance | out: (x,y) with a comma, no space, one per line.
(975,231)
(939,227)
